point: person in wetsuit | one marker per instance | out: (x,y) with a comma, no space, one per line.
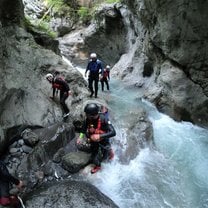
(98,129)
(60,84)
(5,180)
(105,78)
(95,68)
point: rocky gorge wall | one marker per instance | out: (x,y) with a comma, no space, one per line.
(23,66)
(151,56)
(168,55)
(11,12)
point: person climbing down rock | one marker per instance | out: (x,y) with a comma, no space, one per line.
(60,84)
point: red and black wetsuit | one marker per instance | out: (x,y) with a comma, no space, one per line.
(101,126)
(5,180)
(105,78)
(62,85)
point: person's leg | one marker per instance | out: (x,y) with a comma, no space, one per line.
(90,82)
(96,86)
(95,154)
(63,97)
(107,84)
(105,147)
(102,84)
(15,202)
(4,193)
(96,157)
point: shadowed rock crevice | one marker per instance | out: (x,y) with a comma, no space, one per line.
(11,12)
(148,69)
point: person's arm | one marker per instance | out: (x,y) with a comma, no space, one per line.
(100,67)
(88,68)
(108,75)
(54,91)
(110,133)
(82,132)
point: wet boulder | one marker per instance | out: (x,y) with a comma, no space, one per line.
(74,194)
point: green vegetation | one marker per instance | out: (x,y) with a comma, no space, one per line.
(112,1)
(44,27)
(69,11)
(60,8)
(55,4)
(85,14)
(41,26)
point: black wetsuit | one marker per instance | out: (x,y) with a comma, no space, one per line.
(62,85)
(105,78)
(5,180)
(104,143)
(94,66)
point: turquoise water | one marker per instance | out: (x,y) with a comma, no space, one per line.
(173,174)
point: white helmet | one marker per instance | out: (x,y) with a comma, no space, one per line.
(49,76)
(93,55)
(107,67)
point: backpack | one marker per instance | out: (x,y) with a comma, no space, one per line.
(95,66)
(104,111)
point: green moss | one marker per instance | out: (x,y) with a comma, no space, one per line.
(112,1)
(41,26)
(85,14)
(44,27)
(59,7)
(56,4)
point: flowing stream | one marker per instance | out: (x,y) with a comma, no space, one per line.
(174,174)
(171,175)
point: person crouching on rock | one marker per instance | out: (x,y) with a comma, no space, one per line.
(98,129)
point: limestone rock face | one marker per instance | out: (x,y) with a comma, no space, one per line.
(179,30)
(105,36)
(23,66)
(174,32)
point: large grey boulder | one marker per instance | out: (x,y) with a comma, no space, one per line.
(139,134)
(23,87)
(68,194)
(75,161)
(40,163)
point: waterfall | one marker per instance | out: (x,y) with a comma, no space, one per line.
(171,175)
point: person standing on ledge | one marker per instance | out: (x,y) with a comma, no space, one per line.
(95,68)
(105,78)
